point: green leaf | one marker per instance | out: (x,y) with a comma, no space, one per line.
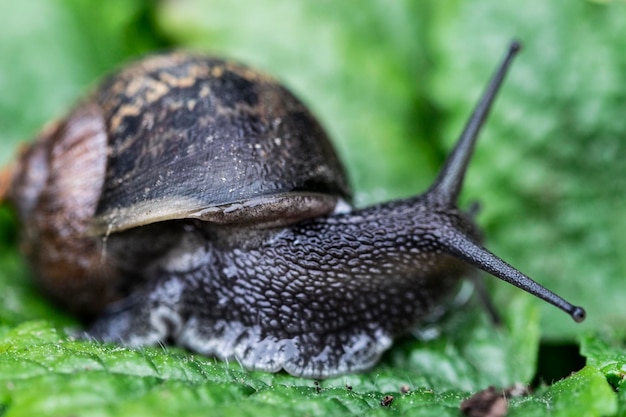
(584,394)
(85,375)
(610,359)
(42,372)
(111,380)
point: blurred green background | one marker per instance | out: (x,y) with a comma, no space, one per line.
(393,82)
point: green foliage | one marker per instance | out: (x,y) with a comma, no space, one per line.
(43,372)
(610,359)
(393,82)
(584,394)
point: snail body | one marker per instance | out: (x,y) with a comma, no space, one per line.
(195,200)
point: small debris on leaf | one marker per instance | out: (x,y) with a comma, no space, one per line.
(491,402)
(404,389)
(516,390)
(485,403)
(386,401)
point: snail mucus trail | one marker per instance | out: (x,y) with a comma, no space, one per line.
(194,200)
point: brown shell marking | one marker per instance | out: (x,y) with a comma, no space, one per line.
(189,133)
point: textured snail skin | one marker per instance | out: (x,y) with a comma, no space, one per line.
(194,200)
(323,297)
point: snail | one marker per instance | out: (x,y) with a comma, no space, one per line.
(194,200)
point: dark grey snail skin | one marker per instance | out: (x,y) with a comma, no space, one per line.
(323,297)
(220,220)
